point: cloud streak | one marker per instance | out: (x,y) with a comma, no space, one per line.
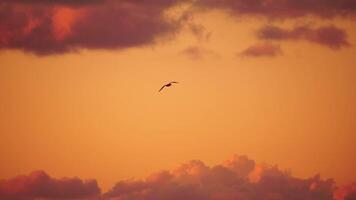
(282,9)
(329,36)
(262,50)
(197,53)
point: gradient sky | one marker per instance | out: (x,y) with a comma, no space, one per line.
(79,86)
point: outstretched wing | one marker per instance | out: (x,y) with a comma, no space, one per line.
(174,82)
(162,88)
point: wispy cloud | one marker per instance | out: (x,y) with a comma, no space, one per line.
(196,53)
(329,36)
(284,9)
(262,50)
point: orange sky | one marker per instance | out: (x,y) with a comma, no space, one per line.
(97,113)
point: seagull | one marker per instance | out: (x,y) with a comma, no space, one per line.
(167,85)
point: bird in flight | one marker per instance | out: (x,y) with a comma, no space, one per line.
(167,85)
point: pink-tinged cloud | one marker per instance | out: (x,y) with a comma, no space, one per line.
(39,185)
(347,192)
(330,36)
(55,2)
(46,27)
(229,181)
(282,9)
(262,50)
(54,27)
(237,178)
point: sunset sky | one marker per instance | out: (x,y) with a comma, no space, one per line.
(271,79)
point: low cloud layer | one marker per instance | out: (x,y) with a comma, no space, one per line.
(237,178)
(40,185)
(330,36)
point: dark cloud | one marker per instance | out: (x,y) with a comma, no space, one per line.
(47,27)
(43,28)
(39,185)
(262,50)
(90,2)
(54,2)
(281,9)
(329,36)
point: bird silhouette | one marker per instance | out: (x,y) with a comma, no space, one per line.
(167,85)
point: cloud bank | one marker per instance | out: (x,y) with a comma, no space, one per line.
(40,185)
(46,27)
(237,178)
